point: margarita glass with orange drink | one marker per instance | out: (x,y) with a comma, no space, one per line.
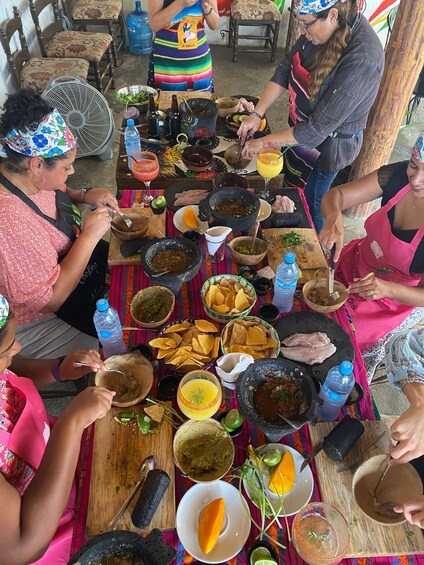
(145,167)
(199,395)
(269,164)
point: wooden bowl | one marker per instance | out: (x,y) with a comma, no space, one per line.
(132,388)
(163,300)
(401,483)
(120,229)
(261,248)
(232,156)
(227,105)
(197,158)
(320,286)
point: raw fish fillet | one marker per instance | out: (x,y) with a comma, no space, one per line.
(313,339)
(309,355)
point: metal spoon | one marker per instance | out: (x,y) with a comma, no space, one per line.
(127,221)
(147,465)
(155,275)
(82,364)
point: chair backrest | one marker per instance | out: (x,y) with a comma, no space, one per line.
(46,34)
(17,58)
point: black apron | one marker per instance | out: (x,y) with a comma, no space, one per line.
(78,309)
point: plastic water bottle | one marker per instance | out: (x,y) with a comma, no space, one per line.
(132,141)
(285,282)
(335,390)
(139,32)
(108,328)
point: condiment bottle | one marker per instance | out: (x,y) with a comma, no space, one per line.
(152,119)
(174,121)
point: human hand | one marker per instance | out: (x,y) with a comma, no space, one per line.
(189,2)
(245,106)
(413,511)
(206,6)
(69,372)
(248,128)
(96,224)
(102,197)
(370,287)
(332,234)
(90,405)
(252,148)
(408,432)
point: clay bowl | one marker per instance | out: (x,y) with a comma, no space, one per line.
(401,483)
(232,155)
(227,105)
(132,388)
(225,180)
(190,437)
(161,295)
(197,158)
(120,229)
(320,287)
(260,249)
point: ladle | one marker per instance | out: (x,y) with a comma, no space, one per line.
(255,234)
(155,275)
(187,105)
(148,464)
(82,364)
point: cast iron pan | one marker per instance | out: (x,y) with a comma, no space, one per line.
(308,322)
(300,213)
(181,186)
(151,550)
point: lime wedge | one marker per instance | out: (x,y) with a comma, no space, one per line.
(159,202)
(233,420)
(272,457)
(261,556)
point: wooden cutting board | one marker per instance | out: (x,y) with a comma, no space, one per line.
(309,255)
(165,97)
(117,453)
(367,538)
(156,229)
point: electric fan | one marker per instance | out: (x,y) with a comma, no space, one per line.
(87,114)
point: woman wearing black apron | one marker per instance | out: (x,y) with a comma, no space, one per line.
(52,270)
(332,74)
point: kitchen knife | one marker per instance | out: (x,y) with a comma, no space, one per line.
(331,271)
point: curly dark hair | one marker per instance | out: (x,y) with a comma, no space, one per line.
(23,111)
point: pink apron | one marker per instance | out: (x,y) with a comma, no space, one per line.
(390,259)
(28,440)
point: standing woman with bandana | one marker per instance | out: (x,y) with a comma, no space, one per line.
(181,58)
(332,74)
(392,250)
(52,268)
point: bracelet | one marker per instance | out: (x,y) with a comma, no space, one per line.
(256,114)
(55,369)
(207,13)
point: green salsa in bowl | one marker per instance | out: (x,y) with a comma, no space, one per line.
(151,307)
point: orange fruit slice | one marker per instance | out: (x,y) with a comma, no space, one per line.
(210,524)
(283,475)
(190,219)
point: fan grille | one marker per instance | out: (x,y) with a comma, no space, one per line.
(85,111)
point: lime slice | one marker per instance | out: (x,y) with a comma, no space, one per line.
(272,457)
(233,420)
(160,202)
(143,422)
(261,556)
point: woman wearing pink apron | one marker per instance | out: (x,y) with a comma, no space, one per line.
(390,256)
(37,463)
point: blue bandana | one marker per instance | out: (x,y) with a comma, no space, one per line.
(306,7)
(4,311)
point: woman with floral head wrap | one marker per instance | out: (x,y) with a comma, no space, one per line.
(392,250)
(38,457)
(51,267)
(332,74)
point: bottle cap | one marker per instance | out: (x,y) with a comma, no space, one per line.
(130,122)
(346,368)
(289,257)
(102,305)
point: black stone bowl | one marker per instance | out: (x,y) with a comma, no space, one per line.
(254,375)
(150,551)
(207,208)
(173,281)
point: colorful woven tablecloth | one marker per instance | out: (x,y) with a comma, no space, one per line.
(126,281)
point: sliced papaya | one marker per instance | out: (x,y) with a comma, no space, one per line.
(190,218)
(210,524)
(283,475)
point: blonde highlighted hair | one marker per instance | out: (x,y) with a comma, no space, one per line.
(331,52)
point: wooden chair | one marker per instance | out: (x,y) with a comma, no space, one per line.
(34,72)
(254,13)
(109,13)
(94,47)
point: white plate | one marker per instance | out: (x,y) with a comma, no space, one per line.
(264,211)
(179,220)
(236,526)
(300,494)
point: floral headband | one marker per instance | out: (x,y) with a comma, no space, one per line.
(4,311)
(418,149)
(52,137)
(306,7)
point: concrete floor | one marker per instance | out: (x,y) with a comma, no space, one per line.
(247,77)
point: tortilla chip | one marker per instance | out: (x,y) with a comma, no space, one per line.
(229,301)
(211,295)
(242,349)
(205,326)
(176,337)
(238,335)
(206,341)
(241,302)
(215,348)
(162,343)
(255,337)
(155,412)
(219,299)
(176,328)
(196,345)
(223,309)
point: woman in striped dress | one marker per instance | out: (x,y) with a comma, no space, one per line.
(181,58)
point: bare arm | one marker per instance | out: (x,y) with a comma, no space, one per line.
(160,17)
(212,19)
(31,521)
(375,289)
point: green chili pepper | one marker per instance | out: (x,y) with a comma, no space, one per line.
(124,417)
(143,422)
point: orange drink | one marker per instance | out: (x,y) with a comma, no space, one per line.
(269,164)
(199,395)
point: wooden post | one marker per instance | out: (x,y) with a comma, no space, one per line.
(403,64)
(293,32)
